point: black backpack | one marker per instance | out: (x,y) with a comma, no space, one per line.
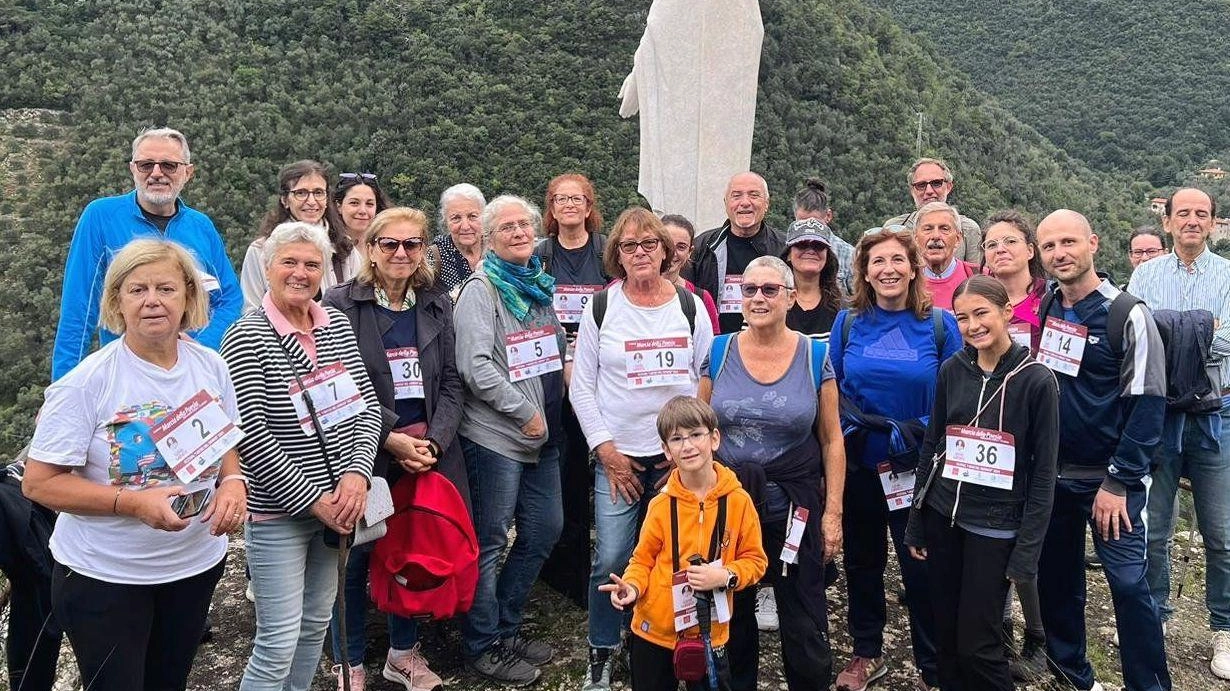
(685,302)
(1191,383)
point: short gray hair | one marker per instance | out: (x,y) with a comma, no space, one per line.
(297,231)
(162,133)
(771,262)
(909,177)
(497,205)
(933,207)
(462,190)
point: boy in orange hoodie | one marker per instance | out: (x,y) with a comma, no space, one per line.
(695,488)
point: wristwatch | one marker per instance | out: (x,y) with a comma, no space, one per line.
(732,582)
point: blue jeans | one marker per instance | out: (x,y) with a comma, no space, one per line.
(617,525)
(294,578)
(1062,593)
(1209,472)
(403,632)
(503,491)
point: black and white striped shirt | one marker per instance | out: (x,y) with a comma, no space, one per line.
(285,466)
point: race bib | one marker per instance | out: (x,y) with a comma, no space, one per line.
(794,537)
(334,393)
(407,374)
(683,599)
(979,456)
(732,299)
(898,487)
(570,301)
(532,353)
(194,436)
(1021,333)
(1063,346)
(658,362)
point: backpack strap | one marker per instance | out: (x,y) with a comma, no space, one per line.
(1044,307)
(685,303)
(547,254)
(717,355)
(674,535)
(938,332)
(719,529)
(1116,320)
(815,361)
(599,302)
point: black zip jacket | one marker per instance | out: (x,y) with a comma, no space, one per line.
(1030,412)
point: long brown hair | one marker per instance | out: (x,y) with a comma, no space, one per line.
(917,297)
(279,214)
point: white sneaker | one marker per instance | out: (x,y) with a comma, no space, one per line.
(1165,630)
(251,596)
(1097,686)
(766,610)
(1220,664)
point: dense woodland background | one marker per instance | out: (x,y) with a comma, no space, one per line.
(508,93)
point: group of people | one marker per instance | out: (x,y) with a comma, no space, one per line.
(751,402)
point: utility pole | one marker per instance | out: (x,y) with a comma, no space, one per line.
(918,141)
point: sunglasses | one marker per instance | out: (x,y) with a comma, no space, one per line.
(168,167)
(648,244)
(812,245)
(390,245)
(357,178)
(769,290)
(922,185)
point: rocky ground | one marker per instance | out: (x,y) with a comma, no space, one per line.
(220,662)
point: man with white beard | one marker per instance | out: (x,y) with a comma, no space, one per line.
(161,166)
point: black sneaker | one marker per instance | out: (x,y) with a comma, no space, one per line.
(534,652)
(502,665)
(1030,665)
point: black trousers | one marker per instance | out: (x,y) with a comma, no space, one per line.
(807,656)
(968,586)
(33,645)
(866,555)
(133,637)
(653,668)
(567,569)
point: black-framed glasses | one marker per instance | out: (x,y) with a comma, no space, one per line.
(302,194)
(390,245)
(769,290)
(1150,253)
(357,178)
(922,185)
(648,244)
(574,199)
(167,167)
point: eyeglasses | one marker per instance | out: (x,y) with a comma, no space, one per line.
(356,178)
(888,230)
(390,245)
(922,185)
(301,195)
(769,290)
(682,248)
(510,228)
(565,199)
(675,441)
(1009,243)
(648,244)
(1150,253)
(167,167)
(809,245)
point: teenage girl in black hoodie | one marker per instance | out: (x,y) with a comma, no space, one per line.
(986,478)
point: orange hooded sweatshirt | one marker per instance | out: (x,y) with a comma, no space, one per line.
(649,570)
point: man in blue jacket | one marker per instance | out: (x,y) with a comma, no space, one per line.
(1111,404)
(161,166)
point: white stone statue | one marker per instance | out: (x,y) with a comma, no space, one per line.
(693,81)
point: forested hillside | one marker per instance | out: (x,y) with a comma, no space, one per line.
(426,93)
(1134,86)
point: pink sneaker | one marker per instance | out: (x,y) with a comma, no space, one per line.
(860,673)
(358,678)
(411,671)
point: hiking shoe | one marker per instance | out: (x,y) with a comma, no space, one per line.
(766,610)
(600,662)
(358,678)
(1220,664)
(859,674)
(411,671)
(532,651)
(502,665)
(1030,665)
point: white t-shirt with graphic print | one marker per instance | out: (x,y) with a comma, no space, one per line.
(96,419)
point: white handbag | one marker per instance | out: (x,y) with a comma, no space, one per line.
(379,507)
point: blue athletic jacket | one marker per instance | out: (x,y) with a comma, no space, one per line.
(106,225)
(1110,414)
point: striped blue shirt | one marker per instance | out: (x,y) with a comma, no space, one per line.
(1167,283)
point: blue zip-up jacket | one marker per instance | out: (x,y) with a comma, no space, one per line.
(1110,414)
(106,225)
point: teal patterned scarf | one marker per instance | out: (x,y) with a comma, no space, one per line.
(519,285)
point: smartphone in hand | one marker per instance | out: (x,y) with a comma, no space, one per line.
(192,504)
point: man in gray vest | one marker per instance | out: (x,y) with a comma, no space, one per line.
(930,180)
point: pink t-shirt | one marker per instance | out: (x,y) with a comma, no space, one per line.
(942,289)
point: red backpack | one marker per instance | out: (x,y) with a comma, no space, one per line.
(427,562)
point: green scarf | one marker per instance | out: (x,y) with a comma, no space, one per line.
(519,286)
